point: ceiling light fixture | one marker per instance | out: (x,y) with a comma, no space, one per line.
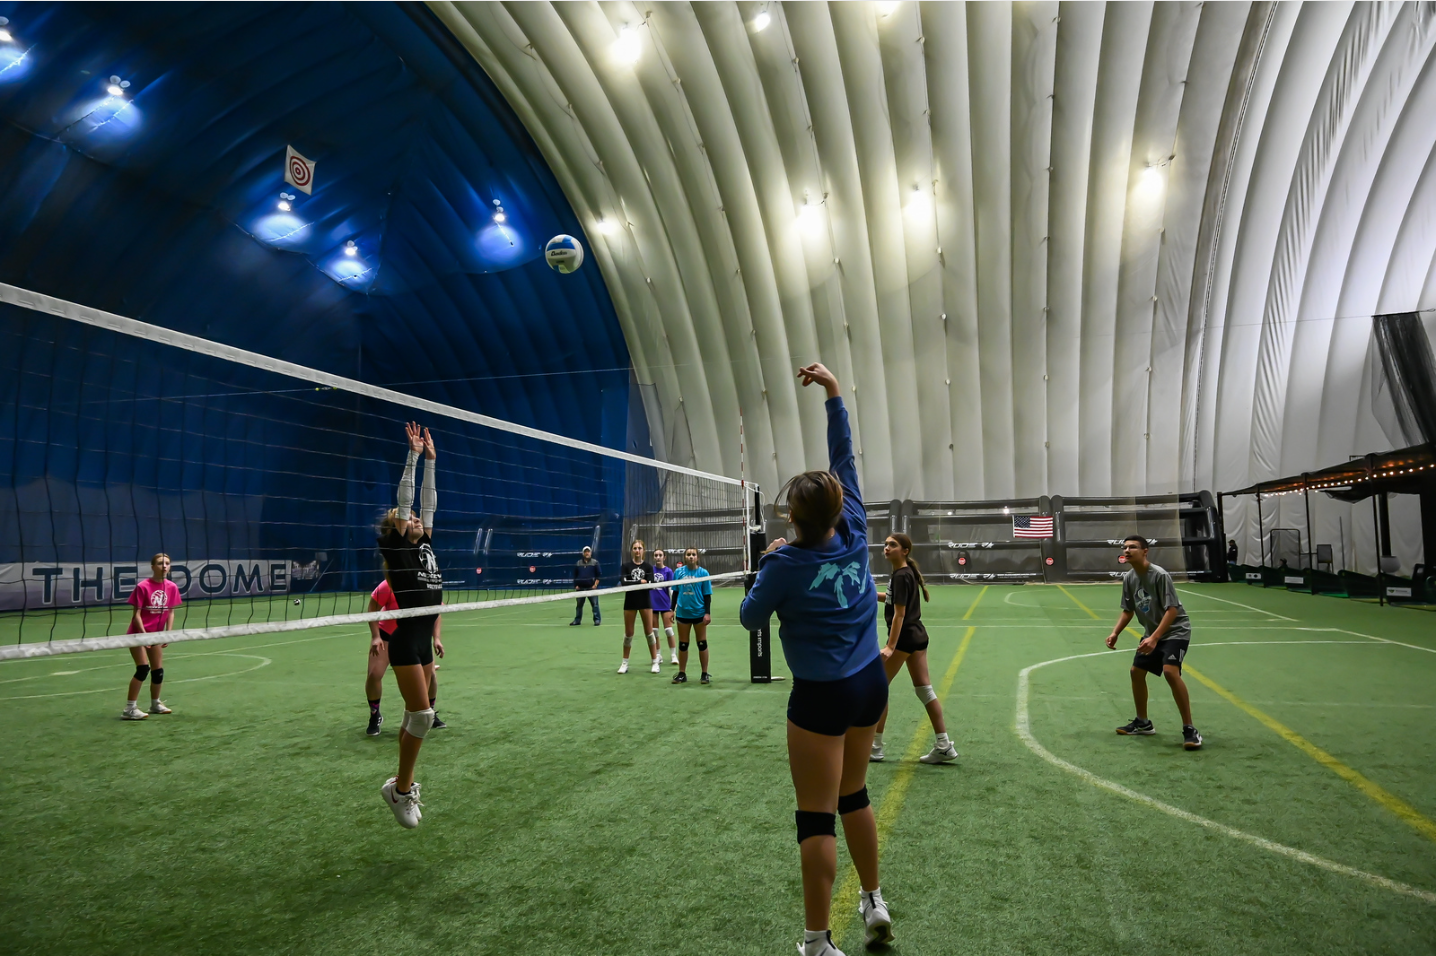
(284,200)
(886,9)
(605,227)
(5,36)
(350,249)
(627,48)
(499,214)
(117,86)
(761,21)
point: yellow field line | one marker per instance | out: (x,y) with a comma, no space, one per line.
(1077,602)
(845,903)
(1375,791)
(975,603)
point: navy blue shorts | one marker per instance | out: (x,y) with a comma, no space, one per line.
(1170,651)
(830,707)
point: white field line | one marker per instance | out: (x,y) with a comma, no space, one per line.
(1024,731)
(1236,603)
(263,662)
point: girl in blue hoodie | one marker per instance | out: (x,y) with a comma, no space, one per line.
(821,590)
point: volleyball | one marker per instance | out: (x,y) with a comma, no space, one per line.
(563,254)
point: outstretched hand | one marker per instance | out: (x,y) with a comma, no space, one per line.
(416,437)
(429,452)
(818,372)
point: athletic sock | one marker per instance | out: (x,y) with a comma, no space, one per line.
(877,740)
(943,742)
(374,706)
(814,935)
(876,896)
(133,703)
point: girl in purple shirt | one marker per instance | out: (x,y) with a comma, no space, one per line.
(154,600)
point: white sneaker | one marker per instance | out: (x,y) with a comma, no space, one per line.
(132,712)
(405,805)
(820,947)
(157,706)
(623,668)
(939,755)
(877,925)
(657,665)
(876,755)
(675,658)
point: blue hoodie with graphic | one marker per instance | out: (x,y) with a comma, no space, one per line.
(824,597)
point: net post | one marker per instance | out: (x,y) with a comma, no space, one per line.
(760,644)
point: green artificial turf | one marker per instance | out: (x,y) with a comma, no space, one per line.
(569,810)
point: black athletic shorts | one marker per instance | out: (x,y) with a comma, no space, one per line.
(637,601)
(1169,651)
(830,707)
(689,620)
(912,639)
(412,642)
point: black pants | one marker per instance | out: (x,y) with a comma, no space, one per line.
(578,611)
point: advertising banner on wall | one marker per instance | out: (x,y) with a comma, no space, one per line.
(62,584)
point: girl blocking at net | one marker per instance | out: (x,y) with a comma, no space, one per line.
(695,610)
(663,604)
(638,604)
(382,599)
(413,574)
(154,600)
(907,643)
(821,590)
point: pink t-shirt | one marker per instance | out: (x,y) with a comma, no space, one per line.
(387,602)
(156,601)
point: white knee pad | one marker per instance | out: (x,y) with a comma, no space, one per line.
(418,722)
(653,638)
(669,632)
(628,642)
(924,693)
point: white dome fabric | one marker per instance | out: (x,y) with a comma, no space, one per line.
(1079,249)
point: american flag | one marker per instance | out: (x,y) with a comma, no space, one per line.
(1031,526)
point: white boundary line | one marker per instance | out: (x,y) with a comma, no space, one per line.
(1237,603)
(1024,731)
(15,652)
(263,662)
(1414,647)
(39,302)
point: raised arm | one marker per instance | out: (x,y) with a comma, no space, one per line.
(429,495)
(840,443)
(406,480)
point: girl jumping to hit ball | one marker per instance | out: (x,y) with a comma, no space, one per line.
(413,574)
(638,604)
(907,643)
(154,600)
(695,610)
(826,603)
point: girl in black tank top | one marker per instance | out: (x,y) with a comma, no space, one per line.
(907,644)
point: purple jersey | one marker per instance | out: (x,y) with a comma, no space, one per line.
(662,597)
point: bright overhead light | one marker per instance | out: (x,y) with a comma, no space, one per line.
(886,9)
(627,48)
(1151,183)
(500,217)
(350,249)
(283,206)
(810,218)
(761,21)
(605,227)
(117,86)
(114,90)
(5,36)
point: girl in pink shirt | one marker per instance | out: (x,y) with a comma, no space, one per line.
(154,600)
(382,599)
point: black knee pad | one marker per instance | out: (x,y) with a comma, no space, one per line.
(812,824)
(157,677)
(702,646)
(854,801)
(683,646)
(141,672)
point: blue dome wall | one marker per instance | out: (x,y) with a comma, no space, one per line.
(162,205)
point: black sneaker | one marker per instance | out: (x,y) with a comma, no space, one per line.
(680,678)
(707,678)
(574,623)
(596,622)
(1190,738)
(1137,728)
(438,722)
(375,719)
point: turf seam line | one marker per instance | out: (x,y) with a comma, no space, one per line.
(1405,811)
(1024,732)
(846,899)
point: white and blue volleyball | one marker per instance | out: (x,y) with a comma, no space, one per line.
(563,254)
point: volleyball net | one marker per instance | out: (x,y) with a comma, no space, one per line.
(265,481)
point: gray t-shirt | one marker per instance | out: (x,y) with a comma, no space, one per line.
(1149,596)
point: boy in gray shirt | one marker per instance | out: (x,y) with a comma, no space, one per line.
(1148,592)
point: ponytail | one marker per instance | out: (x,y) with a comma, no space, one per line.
(905,543)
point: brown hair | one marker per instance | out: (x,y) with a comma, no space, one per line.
(156,559)
(905,543)
(390,521)
(638,541)
(814,502)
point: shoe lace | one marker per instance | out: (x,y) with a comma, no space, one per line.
(412,797)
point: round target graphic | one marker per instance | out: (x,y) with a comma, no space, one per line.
(299,171)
